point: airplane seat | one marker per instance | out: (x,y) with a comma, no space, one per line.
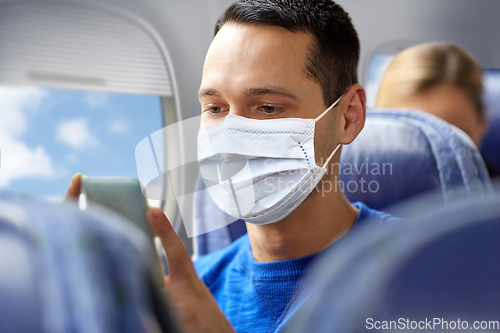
(64,270)
(442,264)
(398,155)
(19,306)
(206,211)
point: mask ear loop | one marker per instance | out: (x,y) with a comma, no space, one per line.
(331,155)
(321,116)
(331,107)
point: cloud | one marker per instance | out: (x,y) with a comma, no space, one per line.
(76,134)
(14,104)
(119,127)
(19,161)
(96,100)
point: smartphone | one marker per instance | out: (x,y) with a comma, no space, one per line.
(124,196)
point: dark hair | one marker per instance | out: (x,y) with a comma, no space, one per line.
(334,55)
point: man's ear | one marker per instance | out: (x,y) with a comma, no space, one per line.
(352,114)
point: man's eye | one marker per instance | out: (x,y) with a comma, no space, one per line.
(214,109)
(269,109)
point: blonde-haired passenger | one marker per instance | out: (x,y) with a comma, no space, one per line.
(438,78)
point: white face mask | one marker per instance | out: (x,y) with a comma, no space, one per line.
(260,170)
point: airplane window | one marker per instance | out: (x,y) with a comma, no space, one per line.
(47,135)
(378,65)
(491,142)
(491,82)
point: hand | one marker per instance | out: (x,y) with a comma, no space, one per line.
(195,303)
(198,309)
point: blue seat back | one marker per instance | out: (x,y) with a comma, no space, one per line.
(403,153)
(398,155)
(19,298)
(443,264)
(64,270)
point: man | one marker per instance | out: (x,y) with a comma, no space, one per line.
(272,59)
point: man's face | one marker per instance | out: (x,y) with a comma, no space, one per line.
(258,72)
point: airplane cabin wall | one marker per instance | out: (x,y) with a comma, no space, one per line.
(186,27)
(391,25)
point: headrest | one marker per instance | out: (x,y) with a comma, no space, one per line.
(443,265)
(19,297)
(403,153)
(66,270)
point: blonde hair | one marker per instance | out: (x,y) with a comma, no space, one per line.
(419,68)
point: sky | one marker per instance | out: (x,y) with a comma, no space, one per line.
(47,135)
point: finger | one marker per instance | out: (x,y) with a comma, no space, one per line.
(179,262)
(74,188)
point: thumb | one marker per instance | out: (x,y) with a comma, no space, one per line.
(74,188)
(179,262)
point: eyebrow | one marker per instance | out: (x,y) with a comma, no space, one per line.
(208,92)
(271,91)
(258,91)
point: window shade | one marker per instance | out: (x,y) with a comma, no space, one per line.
(75,46)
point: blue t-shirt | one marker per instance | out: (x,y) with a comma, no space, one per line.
(255,295)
